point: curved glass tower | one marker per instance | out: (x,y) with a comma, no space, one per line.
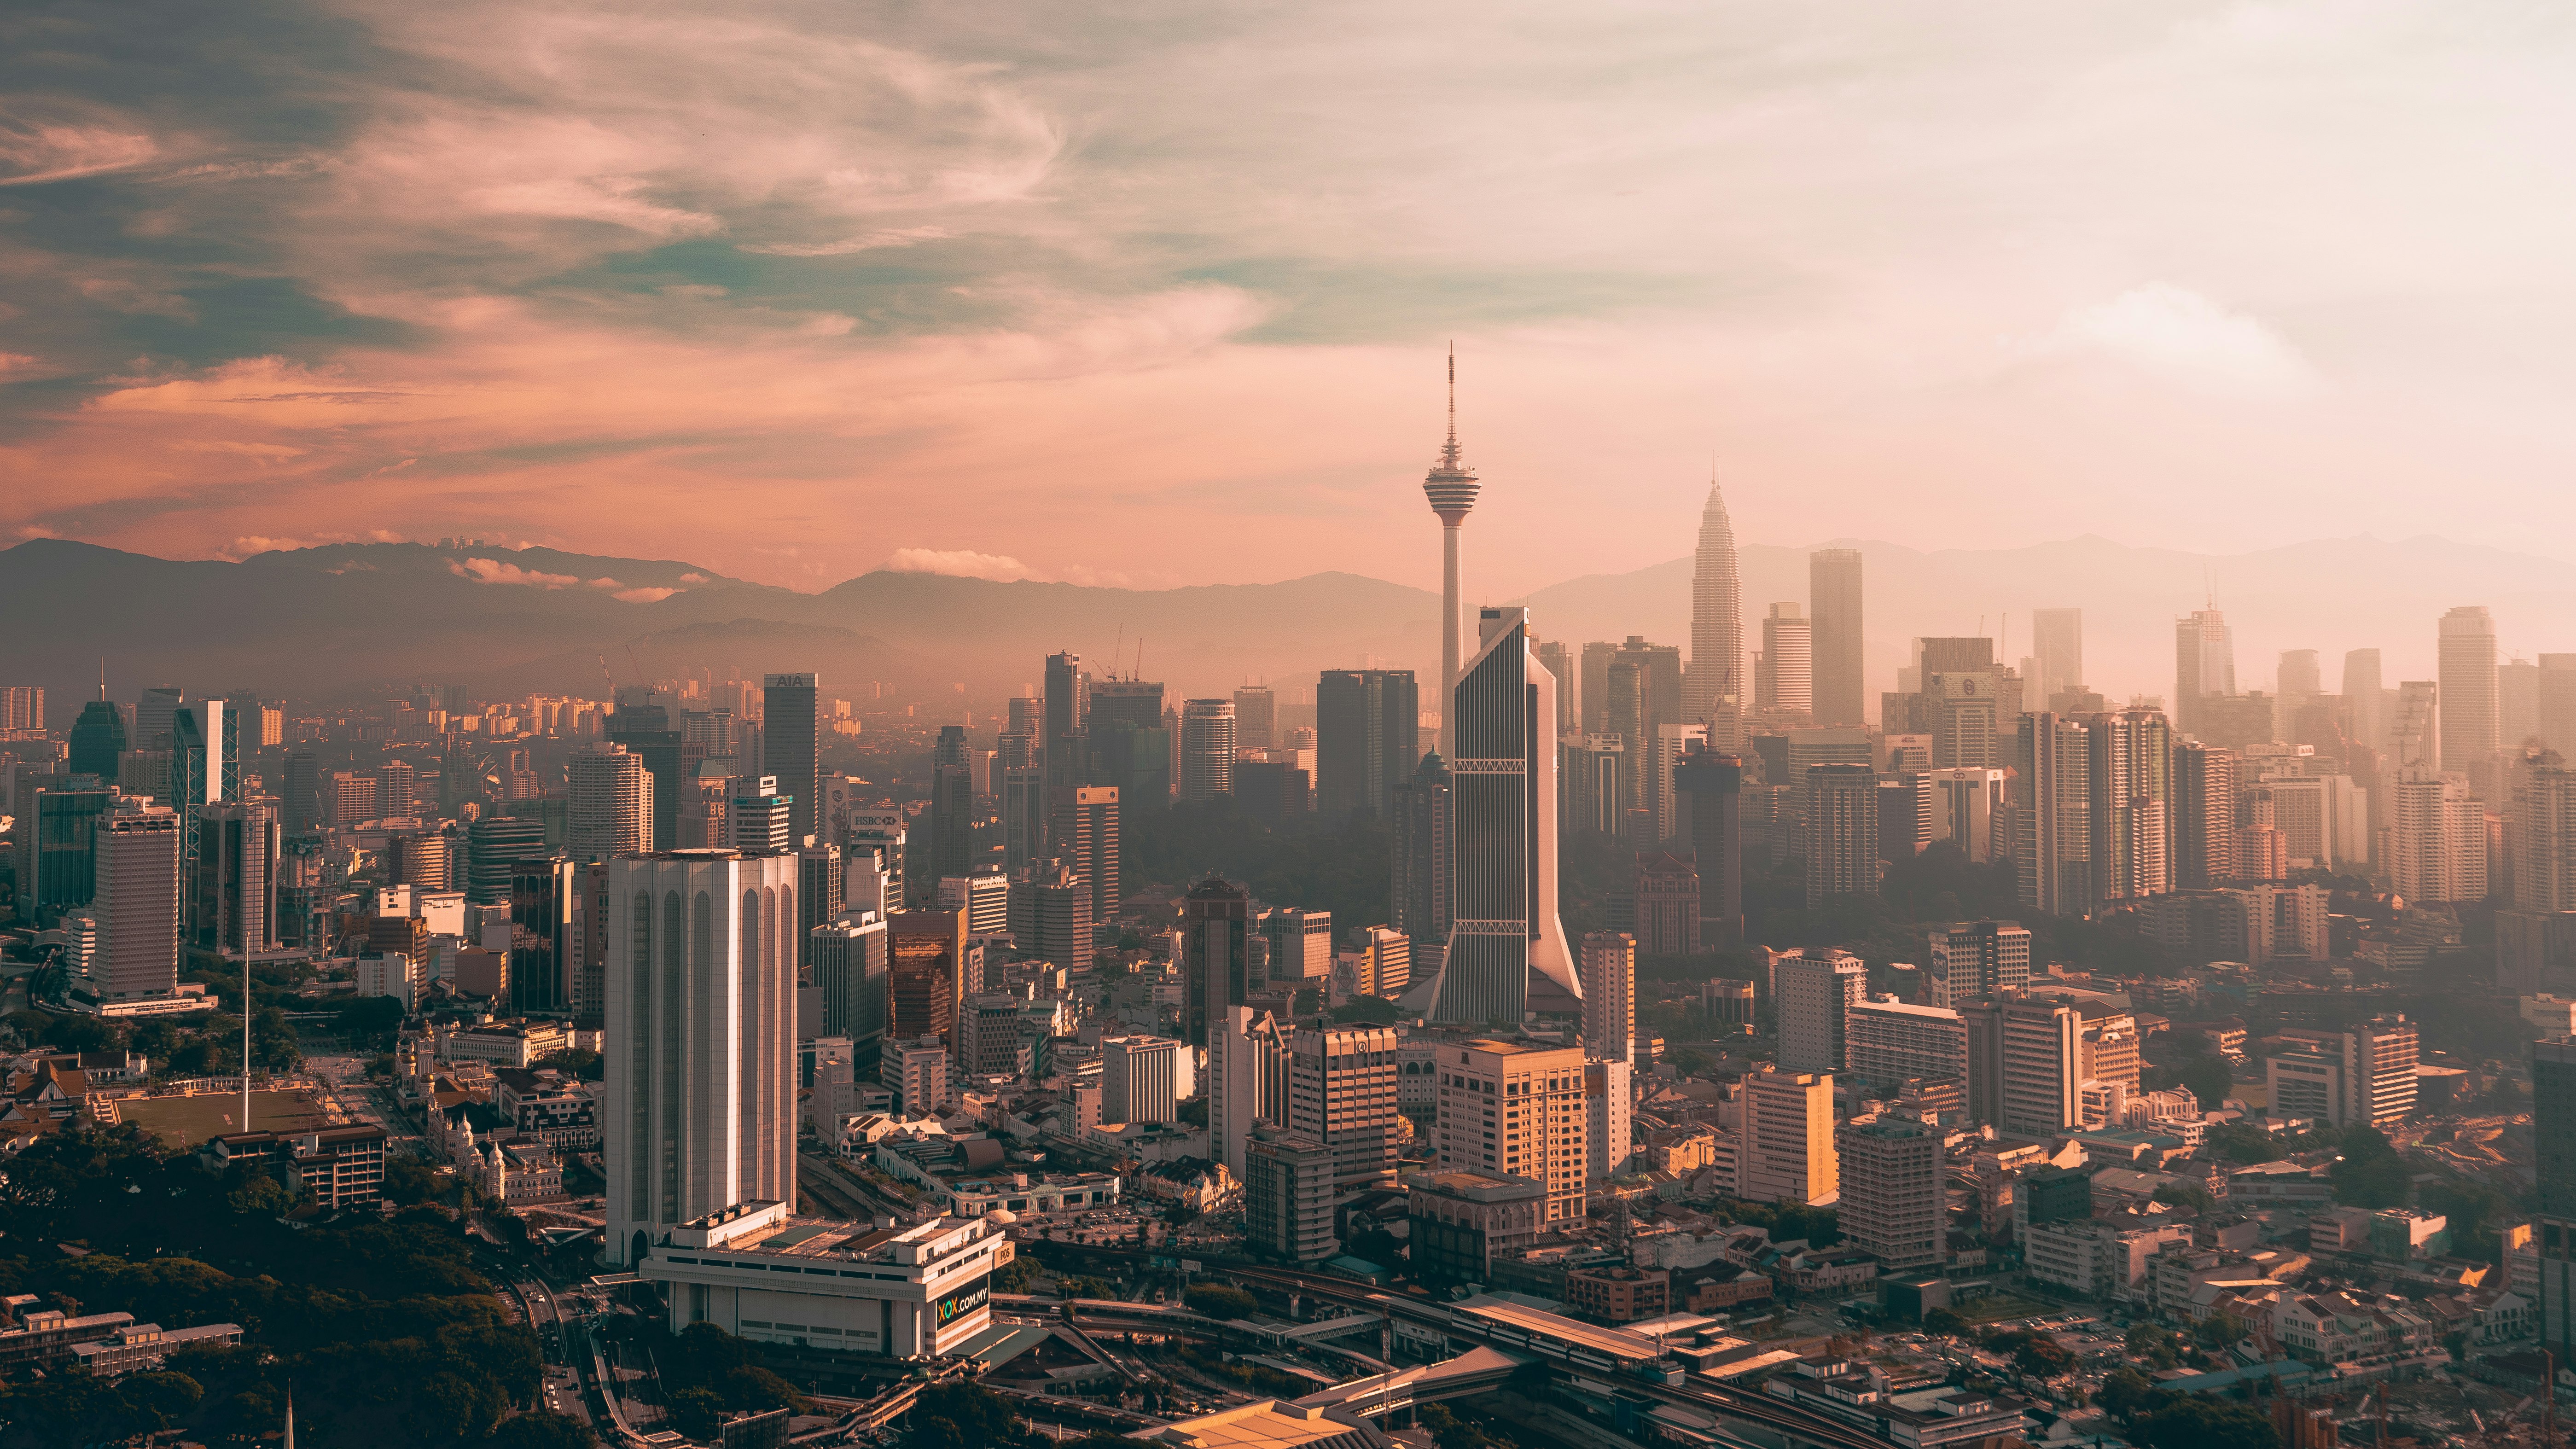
(1508,953)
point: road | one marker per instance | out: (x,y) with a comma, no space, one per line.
(360,1098)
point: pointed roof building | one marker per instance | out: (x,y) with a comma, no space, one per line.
(1713,688)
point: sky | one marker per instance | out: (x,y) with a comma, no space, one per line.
(1158,294)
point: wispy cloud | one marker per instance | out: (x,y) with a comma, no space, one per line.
(956,563)
(35,150)
(2182,335)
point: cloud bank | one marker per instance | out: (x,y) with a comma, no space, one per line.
(1090,296)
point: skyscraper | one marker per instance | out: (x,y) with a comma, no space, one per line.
(2129,777)
(2204,664)
(234,885)
(2553,1140)
(952,807)
(644,728)
(1714,689)
(1207,749)
(1139,1079)
(926,974)
(1842,831)
(1560,661)
(1893,1203)
(850,962)
(2471,720)
(135,900)
(1609,996)
(545,904)
(1256,714)
(701,1067)
(1451,488)
(1784,678)
(2056,651)
(2517,703)
(1785,1152)
(1834,600)
(1816,989)
(1970,959)
(1419,859)
(494,846)
(610,807)
(196,736)
(2557,704)
(2056,837)
(1216,954)
(1367,737)
(2204,816)
(1508,1109)
(763,819)
(791,716)
(2362,697)
(1086,839)
(2438,836)
(2415,729)
(1066,717)
(1507,947)
(156,714)
(97,738)
(1342,1093)
(2540,838)
(1710,784)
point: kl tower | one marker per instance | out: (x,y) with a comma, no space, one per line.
(1452,491)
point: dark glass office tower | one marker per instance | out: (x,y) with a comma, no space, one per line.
(1710,786)
(1834,600)
(645,730)
(1216,956)
(542,894)
(952,808)
(1418,858)
(2553,1142)
(790,746)
(98,737)
(1367,738)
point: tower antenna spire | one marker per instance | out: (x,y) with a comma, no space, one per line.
(1449,450)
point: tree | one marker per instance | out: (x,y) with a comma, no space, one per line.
(544,1429)
(408,1180)
(961,1416)
(2042,1357)
(2195,1421)
(2370,1173)
(579,1062)
(1944,1322)
(2218,1330)
(1219,1300)
(2183,1194)
(371,1016)
(698,1412)
(2243,1143)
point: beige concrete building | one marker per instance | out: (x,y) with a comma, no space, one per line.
(1508,1110)
(1787,1152)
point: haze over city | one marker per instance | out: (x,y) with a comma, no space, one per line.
(1333,727)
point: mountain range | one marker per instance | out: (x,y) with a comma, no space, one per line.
(331,622)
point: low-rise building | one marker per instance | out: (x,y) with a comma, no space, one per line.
(1020,1193)
(1860,1395)
(1613,1294)
(144,1345)
(757,1273)
(1460,1222)
(341,1166)
(547,1106)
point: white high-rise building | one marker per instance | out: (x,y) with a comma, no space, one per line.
(135,899)
(1247,1082)
(701,1031)
(1140,1079)
(1784,680)
(1817,988)
(1785,1149)
(2540,839)
(2438,831)
(1889,1042)
(1965,802)
(1207,749)
(609,804)
(1507,945)
(2471,713)
(1342,1093)
(1713,687)
(2415,731)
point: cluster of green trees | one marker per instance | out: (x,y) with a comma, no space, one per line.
(211,1046)
(1218,1300)
(1788,1222)
(708,1373)
(388,1333)
(2163,1419)
(966,1415)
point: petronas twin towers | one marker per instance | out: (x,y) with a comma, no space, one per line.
(1713,688)
(1507,952)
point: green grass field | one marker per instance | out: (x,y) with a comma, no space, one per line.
(1995,1307)
(189,1121)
